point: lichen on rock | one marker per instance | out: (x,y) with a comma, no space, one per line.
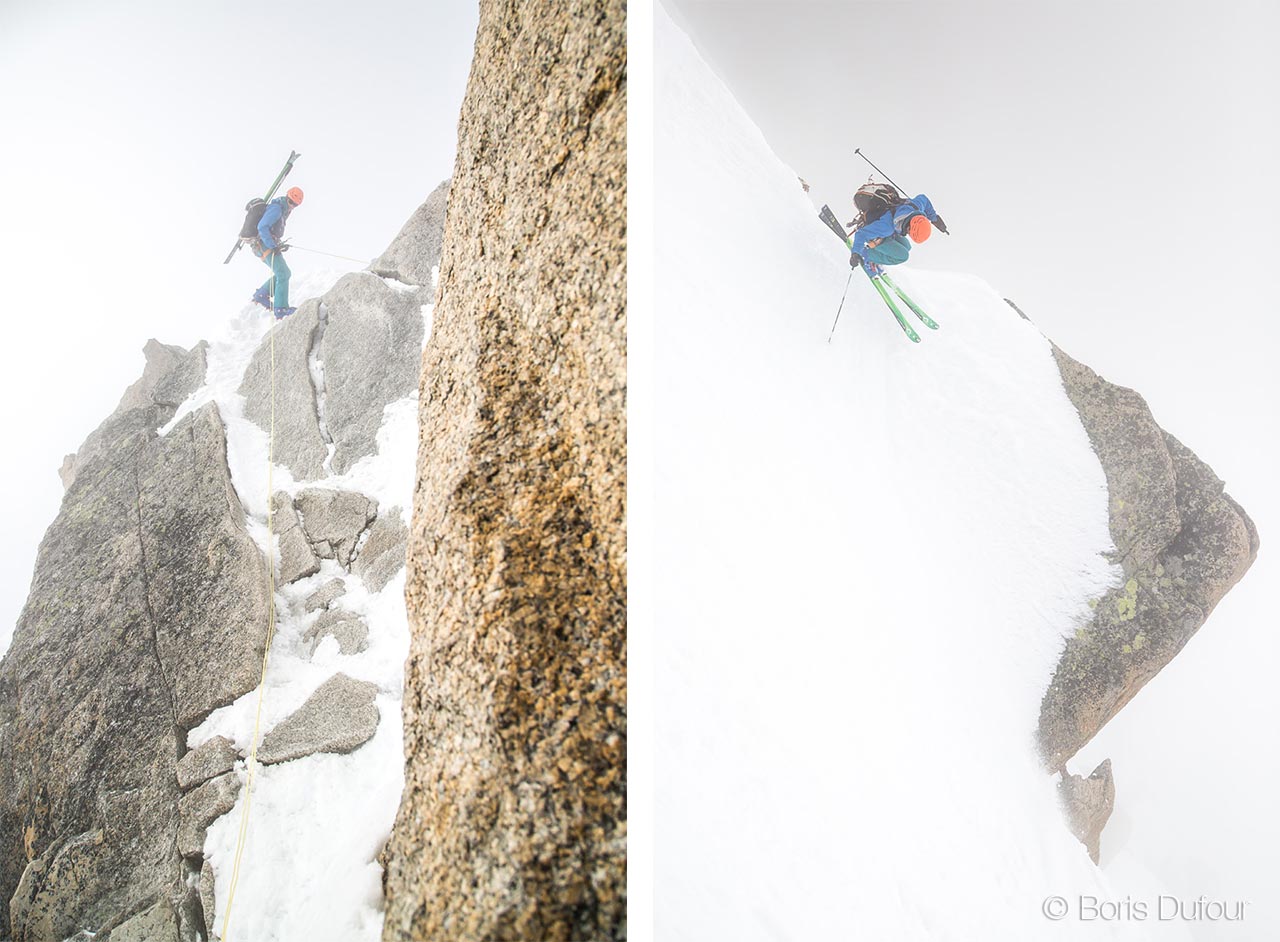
(1182,542)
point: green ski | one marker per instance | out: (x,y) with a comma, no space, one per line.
(928,321)
(884,293)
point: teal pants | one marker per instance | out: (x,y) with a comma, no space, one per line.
(892,251)
(277,286)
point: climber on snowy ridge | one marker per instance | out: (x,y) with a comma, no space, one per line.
(274,293)
(887,224)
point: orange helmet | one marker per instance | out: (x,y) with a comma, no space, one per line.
(919,228)
(295,195)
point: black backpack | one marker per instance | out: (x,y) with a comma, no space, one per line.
(252,216)
(872,201)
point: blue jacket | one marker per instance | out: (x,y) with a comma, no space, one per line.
(271,226)
(891,223)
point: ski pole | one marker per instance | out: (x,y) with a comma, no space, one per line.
(840,308)
(858,151)
(347,258)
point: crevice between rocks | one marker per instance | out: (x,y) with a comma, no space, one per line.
(315,369)
(151,617)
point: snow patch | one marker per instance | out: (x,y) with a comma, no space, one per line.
(309,868)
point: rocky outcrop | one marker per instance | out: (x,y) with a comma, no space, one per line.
(339,361)
(300,444)
(146,613)
(340,716)
(322,597)
(416,250)
(1087,804)
(334,521)
(210,759)
(297,559)
(513,820)
(371,351)
(169,376)
(1182,542)
(382,553)
(157,924)
(347,628)
(203,805)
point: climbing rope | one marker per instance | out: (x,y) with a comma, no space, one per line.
(347,258)
(252,766)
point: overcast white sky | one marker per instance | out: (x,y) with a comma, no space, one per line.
(133,133)
(1110,167)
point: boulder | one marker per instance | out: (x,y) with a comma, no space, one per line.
(58,890)
(297,559)
(157,924)
(416,250)
(372,350)
(326,594)
(382,553)
(209,759)
(348,628)
(334,521)
(300,445)
(340,716)
(201,807)
(1182,542)
(1087,804)
(186,376)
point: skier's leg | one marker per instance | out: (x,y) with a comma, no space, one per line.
(892,251)
(281,269)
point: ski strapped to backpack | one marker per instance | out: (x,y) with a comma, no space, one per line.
(256,207)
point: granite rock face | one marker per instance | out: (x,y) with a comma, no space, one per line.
(416,250)
(339,361)
(340,716)
(157,924)
(300,444)
(146,613)
(1182,542)
(372,351)
(513,819)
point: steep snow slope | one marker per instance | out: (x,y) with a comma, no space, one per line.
(868,555)
(317,824)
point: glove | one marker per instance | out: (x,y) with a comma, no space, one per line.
(283,246)
(941,225)
(855,260)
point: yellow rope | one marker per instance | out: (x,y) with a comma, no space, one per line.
(271,630)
